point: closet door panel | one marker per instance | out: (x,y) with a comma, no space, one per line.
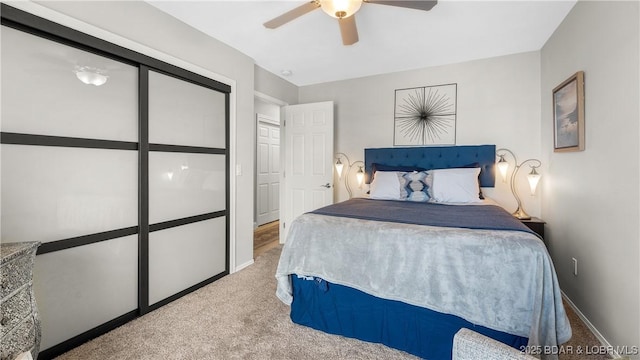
(83,287)
(183,185)
(54,193)
(43,94)
(183,113)
(184,256)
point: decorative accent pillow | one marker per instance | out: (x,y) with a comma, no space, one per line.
(454,185)
(385,186)
(415,186)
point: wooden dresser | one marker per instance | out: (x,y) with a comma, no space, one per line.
(20,323)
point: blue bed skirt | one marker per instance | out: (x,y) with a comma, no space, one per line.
(341,310)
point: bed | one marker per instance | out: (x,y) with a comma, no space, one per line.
(414,264)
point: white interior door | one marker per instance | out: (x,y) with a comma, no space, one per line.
(308,158)
(267,170)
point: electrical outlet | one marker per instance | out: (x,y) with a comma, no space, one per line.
(575,266)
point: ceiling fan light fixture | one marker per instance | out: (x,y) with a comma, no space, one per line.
(340,9)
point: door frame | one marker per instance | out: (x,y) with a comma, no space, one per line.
(280,103)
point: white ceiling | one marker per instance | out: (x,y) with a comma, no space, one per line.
(391,38)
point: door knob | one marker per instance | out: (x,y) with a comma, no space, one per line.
(327,185)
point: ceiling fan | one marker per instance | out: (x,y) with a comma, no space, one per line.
(344,11)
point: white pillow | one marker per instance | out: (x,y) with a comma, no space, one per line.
(385,186)
(459,185)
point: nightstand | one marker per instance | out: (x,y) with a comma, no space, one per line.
(535,224)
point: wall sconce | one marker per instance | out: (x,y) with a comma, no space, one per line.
(90,76)
(533,177)
(359,174)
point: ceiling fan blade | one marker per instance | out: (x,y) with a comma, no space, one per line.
(348,30)
(425,5)
(291,15)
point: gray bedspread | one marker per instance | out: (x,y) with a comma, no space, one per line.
(500,279)
(488,217)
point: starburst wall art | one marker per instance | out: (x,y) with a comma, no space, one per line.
(425,115)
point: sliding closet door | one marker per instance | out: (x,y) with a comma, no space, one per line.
(70,179)
(118,163)
(188,185)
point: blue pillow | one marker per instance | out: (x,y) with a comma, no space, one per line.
(400,168)
(383,167)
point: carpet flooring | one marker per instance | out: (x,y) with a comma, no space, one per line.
(239,317)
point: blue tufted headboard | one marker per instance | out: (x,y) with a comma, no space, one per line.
(436,157)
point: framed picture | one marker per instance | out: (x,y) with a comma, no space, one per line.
(425,115)
(568,114)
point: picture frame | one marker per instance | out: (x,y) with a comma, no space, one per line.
(425,115)
(568,114)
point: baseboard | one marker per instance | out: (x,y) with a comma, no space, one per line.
(592,328)
(242,266)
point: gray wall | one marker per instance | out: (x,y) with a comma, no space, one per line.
(269,84)
(498,103)
(267,108)
(591,198)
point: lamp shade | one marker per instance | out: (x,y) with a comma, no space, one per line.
(340,9)
(503,167)
(339,167)
(534,179)
(360,177)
